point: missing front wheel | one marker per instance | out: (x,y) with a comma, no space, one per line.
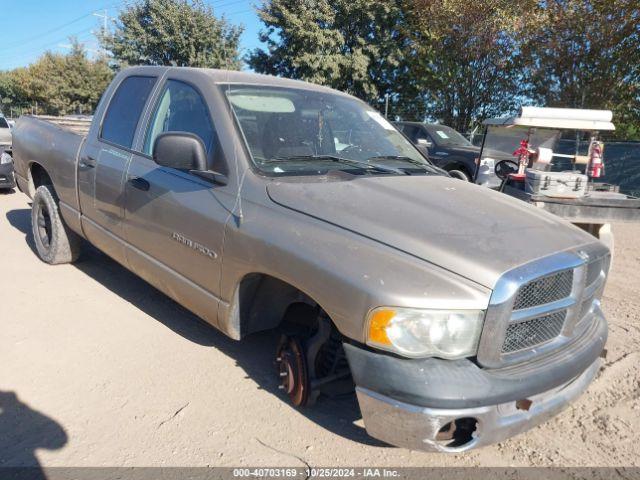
(311,361)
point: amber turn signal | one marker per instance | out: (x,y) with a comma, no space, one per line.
(378,323)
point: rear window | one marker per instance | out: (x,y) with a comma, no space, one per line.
(3,123)
(124,111)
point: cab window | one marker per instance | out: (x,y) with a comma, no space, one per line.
(180,108)
(125,108)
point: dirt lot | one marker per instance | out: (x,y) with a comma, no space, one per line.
(99,369)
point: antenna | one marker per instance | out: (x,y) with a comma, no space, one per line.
(239,178)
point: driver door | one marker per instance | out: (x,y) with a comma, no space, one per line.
(174,220)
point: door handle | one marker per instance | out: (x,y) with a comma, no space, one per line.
(140,183)
(87,162)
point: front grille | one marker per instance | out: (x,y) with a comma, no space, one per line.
(545,290)
(593,271)
(548,308)
(585,308)
(536,331)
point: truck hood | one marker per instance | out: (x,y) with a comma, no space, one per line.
(467,229)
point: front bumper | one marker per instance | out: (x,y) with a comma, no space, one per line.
(7,178)
(416,428)
(407,402)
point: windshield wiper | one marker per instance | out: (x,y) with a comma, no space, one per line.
(425,166)
(334,158)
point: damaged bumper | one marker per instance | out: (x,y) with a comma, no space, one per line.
(453,406)
(457,430)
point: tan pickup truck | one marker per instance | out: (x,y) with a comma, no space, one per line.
(460,317)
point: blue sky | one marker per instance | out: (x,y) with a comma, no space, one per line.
(30,27)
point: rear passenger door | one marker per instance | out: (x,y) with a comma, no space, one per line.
(104,162)
(174,220)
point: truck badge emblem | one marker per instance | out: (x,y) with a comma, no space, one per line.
(194,245)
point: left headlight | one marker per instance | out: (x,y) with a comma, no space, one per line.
(5,158)
(416,333)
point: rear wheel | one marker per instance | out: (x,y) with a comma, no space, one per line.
(55,242)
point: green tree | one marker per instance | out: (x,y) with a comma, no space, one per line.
(11,94)
(447,60)
(586,54)
(471,53)
(358,46)
(58,84)
(173,32)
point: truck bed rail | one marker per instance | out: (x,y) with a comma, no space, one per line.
(79,125)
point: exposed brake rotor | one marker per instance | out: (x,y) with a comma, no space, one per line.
(292,370)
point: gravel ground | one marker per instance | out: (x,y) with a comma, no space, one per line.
(99,369)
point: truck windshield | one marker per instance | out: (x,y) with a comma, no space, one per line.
(298,131)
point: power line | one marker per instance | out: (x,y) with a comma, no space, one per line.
(238,13)
(6,46)
(228,4)
(33,50)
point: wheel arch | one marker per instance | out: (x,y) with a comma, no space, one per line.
(37,176)
(259,303)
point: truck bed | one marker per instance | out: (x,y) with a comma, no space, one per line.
(53,145)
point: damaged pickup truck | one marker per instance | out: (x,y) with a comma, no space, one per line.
(461,317)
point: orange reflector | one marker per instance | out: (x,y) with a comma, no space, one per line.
(378,324)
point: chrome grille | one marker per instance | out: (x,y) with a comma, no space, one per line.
(533,332)
(585,307)
(544,290)
(542,305)
(593,271)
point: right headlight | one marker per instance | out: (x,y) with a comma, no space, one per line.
(417,333)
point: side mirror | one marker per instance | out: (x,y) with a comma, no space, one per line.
(423,142)
(180,150)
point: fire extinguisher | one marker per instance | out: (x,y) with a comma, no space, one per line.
(523,155)
(596,161)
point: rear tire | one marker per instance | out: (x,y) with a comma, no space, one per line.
(55,242)
(460,175)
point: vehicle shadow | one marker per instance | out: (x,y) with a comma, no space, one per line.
(22,431)
(254,354)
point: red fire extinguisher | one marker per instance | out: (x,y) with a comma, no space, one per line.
(523,155)
(596,163)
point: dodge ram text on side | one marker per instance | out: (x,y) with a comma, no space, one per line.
(461,316)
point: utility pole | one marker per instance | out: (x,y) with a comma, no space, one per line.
(105,18)
(386,105)
(105,25)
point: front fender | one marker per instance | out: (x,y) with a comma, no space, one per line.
(345,273)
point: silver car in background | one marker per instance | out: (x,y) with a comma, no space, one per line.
(7,179)
(5,132)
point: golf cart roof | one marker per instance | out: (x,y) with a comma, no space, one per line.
(559,118)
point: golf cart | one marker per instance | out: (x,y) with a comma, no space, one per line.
(561,183)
